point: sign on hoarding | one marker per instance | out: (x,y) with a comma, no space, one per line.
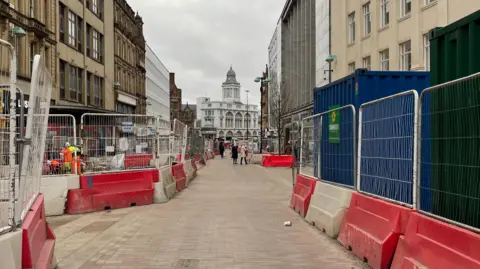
(334,125)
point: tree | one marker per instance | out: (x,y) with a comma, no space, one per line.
(279,107)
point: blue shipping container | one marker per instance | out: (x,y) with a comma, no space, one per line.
(356,89)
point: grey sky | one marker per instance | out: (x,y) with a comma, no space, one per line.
(199,39)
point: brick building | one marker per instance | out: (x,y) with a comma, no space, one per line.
(175,99)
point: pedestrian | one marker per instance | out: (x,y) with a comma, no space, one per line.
(235,153)
(222,149)
(288,149)
(243,155)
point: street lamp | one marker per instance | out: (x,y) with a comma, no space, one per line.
(248,121)
(263,81)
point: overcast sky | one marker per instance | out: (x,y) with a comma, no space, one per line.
(198,40)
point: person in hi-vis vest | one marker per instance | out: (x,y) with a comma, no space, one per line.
(68,159)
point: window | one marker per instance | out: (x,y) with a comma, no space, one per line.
(351,67)
(89,88)
(89,46)
(96,44)
(126,109)
(426,52)
(62,79)
(74,31)
(406,56)
(384,60)
(405,7)
(32,56)
(367,62)
(97,91)
(367,20)
(96,7)
(351,27)
(62,22)
(428,2)
(74,79)
(384,13)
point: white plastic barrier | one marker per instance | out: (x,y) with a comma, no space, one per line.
(11,250)
(55,190)
(166,188)
(256,159)
(327,207)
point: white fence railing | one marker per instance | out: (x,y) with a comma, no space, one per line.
(8,75)
(22,137)
(178,140)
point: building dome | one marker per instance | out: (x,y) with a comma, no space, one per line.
(231,73)
(231,76)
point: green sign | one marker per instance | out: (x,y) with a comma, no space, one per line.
(334,125)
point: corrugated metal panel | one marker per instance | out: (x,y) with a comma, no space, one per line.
(454,50)
(361,87)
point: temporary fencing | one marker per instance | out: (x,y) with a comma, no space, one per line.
(115,142)
(387,142)
(31,161)
(22,137)
(195,145)
(178,140)
(8,75)
(328,146)
(162,142)
(270,145)
(449,185)
(61,133)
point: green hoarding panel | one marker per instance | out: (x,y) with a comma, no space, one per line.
(455,174)
(454,50)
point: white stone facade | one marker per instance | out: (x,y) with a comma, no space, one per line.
(157,87)
(274,65)
(229,118)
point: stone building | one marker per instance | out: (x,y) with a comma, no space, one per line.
(30,27)
(175,99)
(130,49)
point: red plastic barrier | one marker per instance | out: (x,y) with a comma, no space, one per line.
(277,160)
(113,190)
(302,193)
(79,201)
(371,228)
(198,157)
(151,174)
(194,165)
(38,239)
(137,160)
(429,243)
(217,152)
(179,176)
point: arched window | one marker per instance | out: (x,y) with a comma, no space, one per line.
(221,134)
(238,120)
(239,134)
(254,133)
(248,121)
(229,120)
(229,134)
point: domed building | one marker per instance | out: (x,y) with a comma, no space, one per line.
(228,118)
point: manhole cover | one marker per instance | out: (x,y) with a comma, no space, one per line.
(187,263)
(97,227)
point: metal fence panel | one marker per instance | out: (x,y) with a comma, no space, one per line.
(310,137)
(31,159)
(8,67)
(163,148)
(387,146)
(337,144)
(117,142)
(178,140)
(449,185)
(61,131)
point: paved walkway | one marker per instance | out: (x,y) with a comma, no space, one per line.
(228,217)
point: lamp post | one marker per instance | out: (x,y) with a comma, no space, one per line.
(248,122)
(263,81)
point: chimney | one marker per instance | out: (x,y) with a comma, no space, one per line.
(172,78)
